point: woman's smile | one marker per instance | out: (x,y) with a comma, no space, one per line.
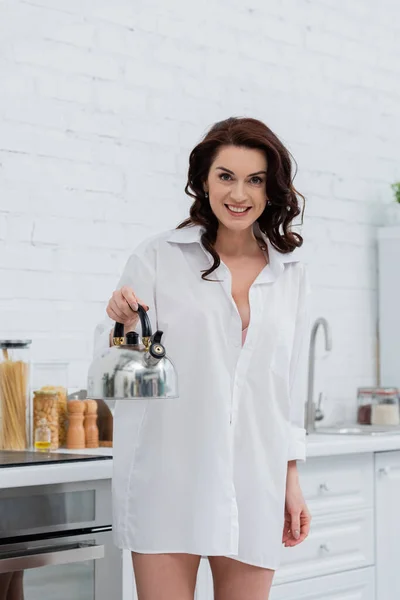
(237,211)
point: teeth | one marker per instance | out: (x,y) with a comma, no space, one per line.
(236,209)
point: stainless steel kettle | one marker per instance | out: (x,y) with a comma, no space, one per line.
(130,370)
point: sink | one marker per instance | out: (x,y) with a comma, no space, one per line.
(359,430)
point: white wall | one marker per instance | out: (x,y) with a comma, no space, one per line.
(101,103)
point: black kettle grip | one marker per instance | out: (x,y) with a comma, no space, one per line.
(144,322)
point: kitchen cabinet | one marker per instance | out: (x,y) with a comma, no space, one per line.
(334,484)
(387,524)
(351,585)
(339,492)
(336,543)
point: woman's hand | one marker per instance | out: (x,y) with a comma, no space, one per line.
(297,516)
(122,306)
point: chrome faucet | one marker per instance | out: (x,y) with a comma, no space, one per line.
(310,412)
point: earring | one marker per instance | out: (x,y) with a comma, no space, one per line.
(206,194)
(269,203)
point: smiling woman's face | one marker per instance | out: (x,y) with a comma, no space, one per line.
(236,180)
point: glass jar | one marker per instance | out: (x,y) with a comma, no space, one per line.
(42,436)
(385,409)
(45,406)
(15,433)
(365,400)
(53,377)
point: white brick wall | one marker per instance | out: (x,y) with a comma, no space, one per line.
(100,105)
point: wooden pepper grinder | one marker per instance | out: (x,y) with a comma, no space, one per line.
(90,424)
(76,430)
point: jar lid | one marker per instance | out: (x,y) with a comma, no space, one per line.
(378,391)
(15,343)
(45,393)
(386,391)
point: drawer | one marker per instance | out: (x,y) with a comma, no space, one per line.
(338,542)
(352,585)
(337,483)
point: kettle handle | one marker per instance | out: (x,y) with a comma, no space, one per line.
(144,322)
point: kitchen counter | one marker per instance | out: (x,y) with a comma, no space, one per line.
(317,445)
(331,444)
(60,472)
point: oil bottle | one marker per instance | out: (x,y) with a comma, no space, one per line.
(42,436)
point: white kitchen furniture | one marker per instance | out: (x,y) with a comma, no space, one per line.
(387,521)
(389,316)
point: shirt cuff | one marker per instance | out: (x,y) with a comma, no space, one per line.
(297,443)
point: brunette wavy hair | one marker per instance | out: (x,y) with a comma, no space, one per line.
(284,199)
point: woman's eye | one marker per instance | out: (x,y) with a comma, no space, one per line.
(256,180)
(225,175)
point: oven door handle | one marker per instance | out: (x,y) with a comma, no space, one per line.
(61,555)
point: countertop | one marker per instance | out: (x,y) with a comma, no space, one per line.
(59,473)
(318,445)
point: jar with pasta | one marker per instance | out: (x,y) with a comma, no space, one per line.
(52,376)
(15,432)
(61,394)
(45,406)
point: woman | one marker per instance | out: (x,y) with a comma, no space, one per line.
(213,473)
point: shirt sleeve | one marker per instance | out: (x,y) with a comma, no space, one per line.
(298,373)
(139,274)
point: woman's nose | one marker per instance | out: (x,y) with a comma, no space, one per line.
(238,192)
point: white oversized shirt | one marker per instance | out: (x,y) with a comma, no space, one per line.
(206,473)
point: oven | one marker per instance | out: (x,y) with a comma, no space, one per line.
(56,543)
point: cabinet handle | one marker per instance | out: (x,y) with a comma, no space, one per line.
(62,555)
(384,470)
(324,487)
(325,548)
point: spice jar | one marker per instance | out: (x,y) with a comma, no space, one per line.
(365,400)
(90,424)
(76,430)
(14,394)
(45,406)
(385,409)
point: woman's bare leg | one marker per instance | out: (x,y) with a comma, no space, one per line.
(5,580)
(16,589)
(234,580)
(165,576)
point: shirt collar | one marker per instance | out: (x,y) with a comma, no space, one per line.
(277,260)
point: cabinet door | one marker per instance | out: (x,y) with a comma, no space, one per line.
(352,585)
(387,474)
(337,542)
(333,484)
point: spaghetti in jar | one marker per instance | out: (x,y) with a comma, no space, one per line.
(14,394)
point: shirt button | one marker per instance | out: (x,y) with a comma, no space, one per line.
(236,343)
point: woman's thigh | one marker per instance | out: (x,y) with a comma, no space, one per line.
(165,576)
(235,580)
